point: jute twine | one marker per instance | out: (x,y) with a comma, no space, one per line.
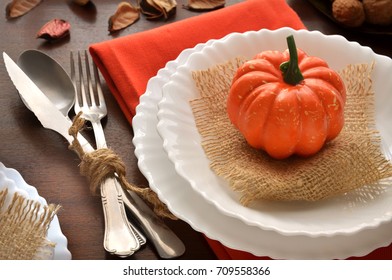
(103,163)
(23,228)
(351,161)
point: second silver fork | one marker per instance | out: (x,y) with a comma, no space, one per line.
(121,237)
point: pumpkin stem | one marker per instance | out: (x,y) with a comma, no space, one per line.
(291,73)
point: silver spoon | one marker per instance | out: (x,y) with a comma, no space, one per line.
(50,77)
(56,84)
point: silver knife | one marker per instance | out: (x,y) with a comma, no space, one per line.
(167,244)
(49,116)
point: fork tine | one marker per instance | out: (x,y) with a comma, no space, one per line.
(89,80)
(101,99)
(82,88)
(77,86)
(89,95)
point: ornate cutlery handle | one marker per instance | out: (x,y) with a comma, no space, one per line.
(165,241)
(121,238)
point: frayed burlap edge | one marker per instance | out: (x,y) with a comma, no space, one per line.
(351,161)
(23,228)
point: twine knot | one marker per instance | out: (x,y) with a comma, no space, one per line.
(103,163)
(100,165)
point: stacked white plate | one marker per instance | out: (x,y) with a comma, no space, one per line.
(167,145)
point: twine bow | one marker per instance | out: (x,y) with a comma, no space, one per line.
(103,163)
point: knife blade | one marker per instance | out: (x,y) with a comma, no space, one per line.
(46,112)
(165,241)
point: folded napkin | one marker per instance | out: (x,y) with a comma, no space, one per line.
(127,63)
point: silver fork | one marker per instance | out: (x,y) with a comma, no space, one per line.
(121,237)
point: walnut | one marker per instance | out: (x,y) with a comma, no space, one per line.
(348,12)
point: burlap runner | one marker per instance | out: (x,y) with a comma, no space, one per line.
(349,162)
(23,227)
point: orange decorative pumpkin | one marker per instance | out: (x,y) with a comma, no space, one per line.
(287,103)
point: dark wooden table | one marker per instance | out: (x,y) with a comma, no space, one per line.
(42,157)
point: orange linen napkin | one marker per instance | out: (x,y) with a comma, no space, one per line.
(127,63)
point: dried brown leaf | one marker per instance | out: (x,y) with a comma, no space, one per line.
(204,5)
(125,15)
(18,8)
(154,9)
(54,29)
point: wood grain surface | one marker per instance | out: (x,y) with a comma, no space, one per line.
(41,155)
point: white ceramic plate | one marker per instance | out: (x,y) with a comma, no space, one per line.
(12,179)
(342,215)
(202,216)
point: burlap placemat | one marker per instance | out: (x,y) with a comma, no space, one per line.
(349,162)
(23,227)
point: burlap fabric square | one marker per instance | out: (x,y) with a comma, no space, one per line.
(23,228)
(351,161)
